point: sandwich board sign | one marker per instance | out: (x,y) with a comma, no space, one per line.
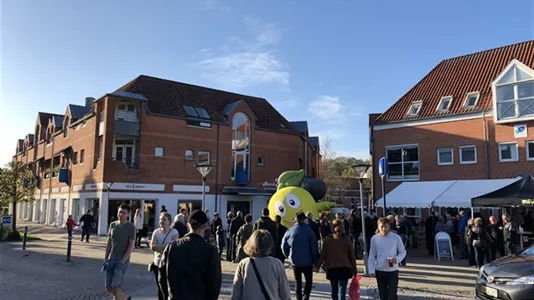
(443,246)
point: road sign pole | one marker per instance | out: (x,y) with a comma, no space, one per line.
(384,194)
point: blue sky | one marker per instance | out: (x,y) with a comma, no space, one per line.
(330,62)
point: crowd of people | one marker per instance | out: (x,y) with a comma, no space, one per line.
(187,265)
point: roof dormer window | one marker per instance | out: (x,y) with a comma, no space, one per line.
(196,112)
(471,100)
(513,93)
(415,108)
(444,104)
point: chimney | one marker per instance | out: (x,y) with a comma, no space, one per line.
(89,101)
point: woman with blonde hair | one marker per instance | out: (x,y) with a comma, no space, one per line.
(260,276)
(340,261)
(161,237)
(138,223)
(477,238)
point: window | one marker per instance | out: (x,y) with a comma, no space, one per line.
(240,144)
(445,156)
(261,160)
(415,108)
(508,152)
(471,100)
(101,147)
(444,104)
(189,154)
(196,112)
(159,152)
(468,154)
(124,150)
(513,92)
(203,158)
(82,156)
(529,146)
(127,112)
(75,158)
(403,162)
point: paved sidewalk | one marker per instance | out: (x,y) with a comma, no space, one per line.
(423,278)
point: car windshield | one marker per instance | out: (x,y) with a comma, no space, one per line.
(528,252)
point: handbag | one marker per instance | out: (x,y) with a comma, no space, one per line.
(152,266)
(263,290)
(354,289)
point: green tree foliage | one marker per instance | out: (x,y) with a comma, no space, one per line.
(17,184)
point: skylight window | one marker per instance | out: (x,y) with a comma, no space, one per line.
(471,100)
(415,108)
(196,112)
(445,104)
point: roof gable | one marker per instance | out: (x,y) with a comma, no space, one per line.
(43,118)
(77,111)
(300,126)
(314,141)
(20,145)
(457,77)
(509,73)
(166,97)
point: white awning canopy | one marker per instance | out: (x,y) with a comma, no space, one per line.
(448,193)
(418,194)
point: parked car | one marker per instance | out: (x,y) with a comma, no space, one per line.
(510,277)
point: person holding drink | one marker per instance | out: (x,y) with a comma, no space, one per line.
(385,253)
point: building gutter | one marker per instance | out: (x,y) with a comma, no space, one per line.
(217,170)
(486,150)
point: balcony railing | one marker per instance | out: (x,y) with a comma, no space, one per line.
(123,127)
(130,163)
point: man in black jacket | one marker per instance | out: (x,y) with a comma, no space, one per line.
(265,222)
(190,267)
(355,225)
(313,225)
(88,224)
(236,223)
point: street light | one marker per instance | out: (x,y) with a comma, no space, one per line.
(361,172)
(204,171)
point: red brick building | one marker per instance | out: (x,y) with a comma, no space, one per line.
(470,117)
(140,143)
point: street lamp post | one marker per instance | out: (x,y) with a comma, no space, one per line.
(361,171)
(204,170)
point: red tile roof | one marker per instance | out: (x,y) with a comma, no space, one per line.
(457,77)
(373,118)
(167,97)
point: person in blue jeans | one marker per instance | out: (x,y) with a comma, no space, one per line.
(339,259)
(121,241)
(299,245)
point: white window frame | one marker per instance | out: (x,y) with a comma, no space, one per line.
(124,146)
(418,103)
(156,151)
(446,98)
(189,157)
(440,163)
(528,152)
(402,162)
(262,163)
(516,159)
(126,115)
(516,64)
(202,153)
(466,101)
(462,162)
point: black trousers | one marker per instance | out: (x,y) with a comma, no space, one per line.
(138,237)
(86,233)
(308,276)
(161,296)
(355,245)
(387,282)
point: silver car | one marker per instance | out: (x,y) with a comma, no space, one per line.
(509,278)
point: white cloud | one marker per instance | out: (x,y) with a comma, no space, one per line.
(326,107)
(213,4)
(243,63)
(332,111)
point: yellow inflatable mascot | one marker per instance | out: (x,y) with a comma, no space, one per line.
(297,194)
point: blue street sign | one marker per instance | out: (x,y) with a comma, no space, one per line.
(382,167)
(6,220)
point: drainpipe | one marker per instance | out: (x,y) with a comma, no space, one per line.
(372,157)
(49,202)
(486,150)
(217,171)
(306,157)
